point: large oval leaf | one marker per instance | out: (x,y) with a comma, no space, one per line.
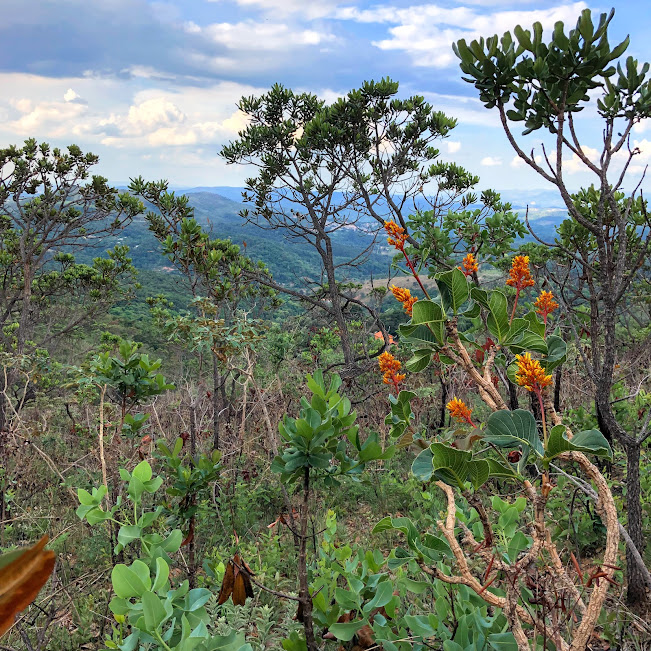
(590,441)
(513,428)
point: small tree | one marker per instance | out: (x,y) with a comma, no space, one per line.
(220,278)
(323,444)
(545,86)
(49,209)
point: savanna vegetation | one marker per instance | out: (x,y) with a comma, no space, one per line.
(398,419)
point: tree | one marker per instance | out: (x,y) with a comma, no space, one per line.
(49,208)
(545,86)
(364,160)
(220,278)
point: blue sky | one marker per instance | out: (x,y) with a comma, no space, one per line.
(151,87)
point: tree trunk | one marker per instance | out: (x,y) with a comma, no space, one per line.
(216,382)
(636,588)
(304,589)
(558,380)
(193,430)
(444,401)
(513,396)
(335,301)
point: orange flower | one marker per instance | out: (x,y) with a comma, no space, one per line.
(405,297)
(390,366)
(459,410)
(545,304)
(520,276)
(379,335)
(397,235)
(531,374)
(470,265)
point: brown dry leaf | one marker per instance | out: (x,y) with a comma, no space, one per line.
(365,637)
(21,579)
(236,583)
(227,584)
(239,590)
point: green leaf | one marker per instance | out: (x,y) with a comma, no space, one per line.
(346,631)
(426,311)
(419,625)
(162,574)
(528,340)
(128,533)
(498,316)
(346,599)
(143,471)
(454,289)
(382,597)
(457,466)
(517,544)
(126,583)
(536,324)
(422,468)
(589,441)
(502,642)
(419,361)
(153,611)
(449,645)
(512,428)
(497,469)
(431,333)
(556,353)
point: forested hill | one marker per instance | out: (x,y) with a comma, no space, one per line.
(288,260)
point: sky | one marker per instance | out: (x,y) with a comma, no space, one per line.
(152,87)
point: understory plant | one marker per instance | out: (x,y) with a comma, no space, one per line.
(323,445)
(151,613)
(544,597)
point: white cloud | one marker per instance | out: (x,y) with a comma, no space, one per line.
(154,113)
(308,9)
(46,119)
(426,32)
(575,165)
(453,146)
(491,161)
(517,162)
(70,95)
(255,36)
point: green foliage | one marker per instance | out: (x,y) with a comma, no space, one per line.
(317,442)
(534,75)
(47,204)
(191,479)
(160,617)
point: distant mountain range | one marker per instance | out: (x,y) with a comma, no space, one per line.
(217,209)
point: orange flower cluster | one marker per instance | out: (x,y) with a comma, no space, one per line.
(520,276)
(390,366)
(470,265)
(397,235)
(531,374)
(459,410)
(545,304)
(405,297)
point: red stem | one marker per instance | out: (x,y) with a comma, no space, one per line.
(517,296)
(414,273)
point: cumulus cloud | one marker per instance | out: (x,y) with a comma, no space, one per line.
(251,35)
(310,10)
(49,119)
(491,161)
(453,146)
(426,32)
